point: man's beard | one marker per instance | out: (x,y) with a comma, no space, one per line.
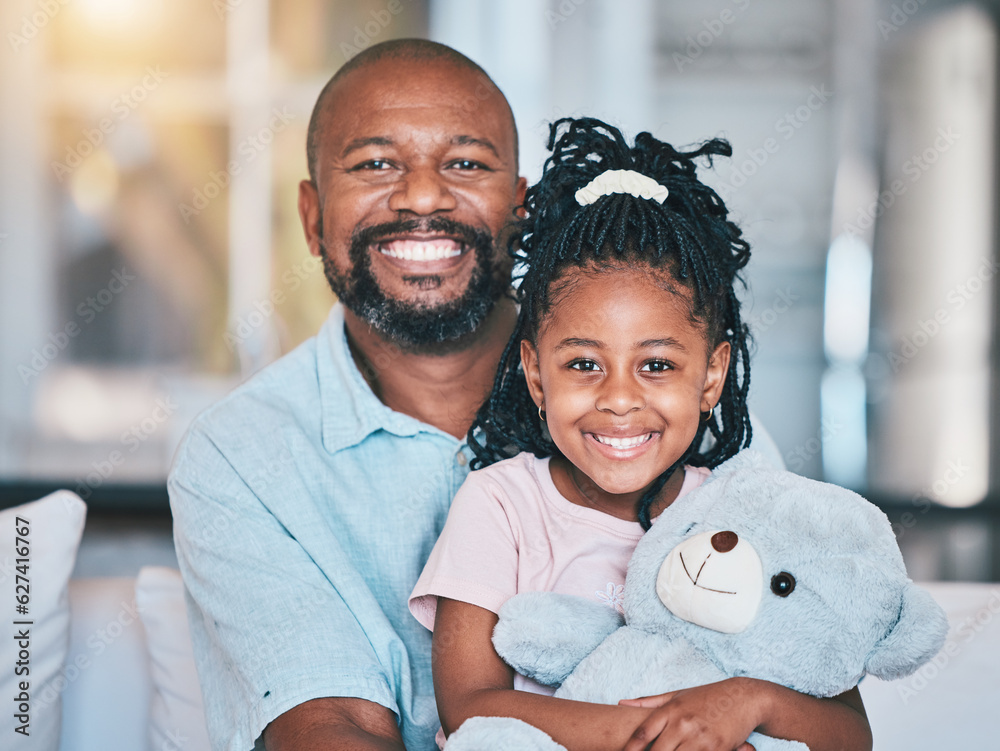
(416,325)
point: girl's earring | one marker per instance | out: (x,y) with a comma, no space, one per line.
(708,417)
(541,413)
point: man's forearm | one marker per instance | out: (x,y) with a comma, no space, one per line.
(334,724)
(835,724)
(331,738)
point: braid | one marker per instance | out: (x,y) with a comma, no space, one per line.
(689,235)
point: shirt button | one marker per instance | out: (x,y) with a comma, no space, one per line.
(460,458)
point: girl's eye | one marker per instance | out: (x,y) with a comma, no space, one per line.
(587,366)
(656,366)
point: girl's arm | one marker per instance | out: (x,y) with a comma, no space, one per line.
(471,680)
(830,724)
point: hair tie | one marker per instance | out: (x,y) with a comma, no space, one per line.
(621,181)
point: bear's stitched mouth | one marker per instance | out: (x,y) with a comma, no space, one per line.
(694,579)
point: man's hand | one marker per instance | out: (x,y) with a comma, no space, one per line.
(334,724)
(714,717)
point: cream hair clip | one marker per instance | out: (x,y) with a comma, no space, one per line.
(621,181)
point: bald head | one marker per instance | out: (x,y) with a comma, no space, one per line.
(404,52)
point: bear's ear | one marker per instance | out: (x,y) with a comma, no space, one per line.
(913,640)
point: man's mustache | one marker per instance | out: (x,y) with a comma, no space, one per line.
(463,233)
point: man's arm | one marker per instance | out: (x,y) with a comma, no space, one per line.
(334,724)
(247,579)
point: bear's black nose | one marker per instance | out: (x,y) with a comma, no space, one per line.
(723,542)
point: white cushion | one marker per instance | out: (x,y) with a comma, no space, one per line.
(952,701)
(106,701)
(54,526)
(177,717)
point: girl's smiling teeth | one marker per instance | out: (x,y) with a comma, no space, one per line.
(421,250)
(627,442)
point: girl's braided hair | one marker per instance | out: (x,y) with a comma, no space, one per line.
(688,235)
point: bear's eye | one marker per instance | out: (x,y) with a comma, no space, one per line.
(782,584)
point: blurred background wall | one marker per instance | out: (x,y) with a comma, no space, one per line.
(151,256)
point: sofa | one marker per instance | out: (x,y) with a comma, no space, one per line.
(112,668)
(107,660)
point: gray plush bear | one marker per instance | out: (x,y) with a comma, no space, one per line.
(760,573)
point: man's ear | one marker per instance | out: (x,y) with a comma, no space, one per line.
(715,379)
(310,215)
(522,187)
(532,373)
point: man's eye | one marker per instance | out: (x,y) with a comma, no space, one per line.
(468,164)
(656,366)
(374,164)
(584,365)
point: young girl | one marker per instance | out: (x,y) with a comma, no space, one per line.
(629,348)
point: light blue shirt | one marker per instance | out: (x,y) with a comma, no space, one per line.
(304,510)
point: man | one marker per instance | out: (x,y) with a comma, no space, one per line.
(306,502)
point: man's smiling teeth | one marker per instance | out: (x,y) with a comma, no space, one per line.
(622,443)
(413,250)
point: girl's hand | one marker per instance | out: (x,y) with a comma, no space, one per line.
(715,717)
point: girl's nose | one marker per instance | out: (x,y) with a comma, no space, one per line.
(620,395)
(422,191)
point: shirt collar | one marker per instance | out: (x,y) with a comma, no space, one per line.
(350,410)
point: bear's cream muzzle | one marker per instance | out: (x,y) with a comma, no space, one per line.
(714,580)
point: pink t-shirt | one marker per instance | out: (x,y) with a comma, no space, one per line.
(510,530)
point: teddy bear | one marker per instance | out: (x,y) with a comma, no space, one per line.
(759,572)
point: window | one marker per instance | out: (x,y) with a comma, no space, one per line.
(150,249)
